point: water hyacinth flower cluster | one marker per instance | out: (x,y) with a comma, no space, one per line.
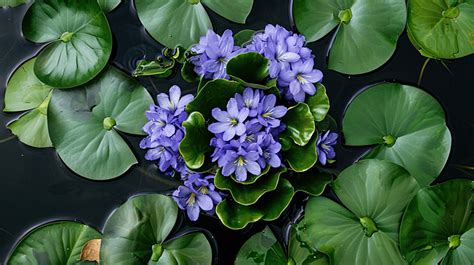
(244,129)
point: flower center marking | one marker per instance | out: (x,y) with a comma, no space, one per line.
(266,114)
(108,123)
(240,161)
(66,36)
(454,241)
(157,252)
(192,199)
(389,140)
(345,16)
(452,12)
(369,226)
(233,122)
(204,190)
(300,79)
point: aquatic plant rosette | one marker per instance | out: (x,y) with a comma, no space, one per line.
(255,132)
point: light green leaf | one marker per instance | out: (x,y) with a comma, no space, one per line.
(84,124)
(235,11)
(437,225)
(108,5)
(78,36)
(193,248)
(366,35)
(298,249)
(260,249)
(299,123)
(195,144)
(12,3)
(442,29)
(407,124)
(365,231)
(319,103)
(53,243)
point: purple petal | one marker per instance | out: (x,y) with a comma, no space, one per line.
(269,102)
(169,130)
(279,111)
(322,158)
(290,57)
(253,167)
(287,76)
(309,88)
(205,202)
(239,129)
(295,87)
(243,114)
(241,173)
(193,211)
(232,108)
(220,115)
(218,127)
(229,133)
(175,95)
(163,101)
(307,66)
(252,156)
(314,76)
(274,161)
(185,101)
(228,169)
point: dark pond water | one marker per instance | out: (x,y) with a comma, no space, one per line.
(36,187)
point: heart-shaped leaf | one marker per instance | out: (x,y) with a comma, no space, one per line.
(437,225)
(441,29)
(268,208)
(78,36)
(250,69)
(299,123)
(236,11)
(319,103)
(261,248)
(53,243)
(243,37)
(302,158)
(108,5)
(365,231)
(311,182)
(12,3)
(214,94)
(366,35)
(249,194)
(195,144)
(135,233)
(25,92)
(84,124)
(407,124)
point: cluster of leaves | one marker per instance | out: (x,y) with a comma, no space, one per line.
(138,232)
(367,31)
(74,102)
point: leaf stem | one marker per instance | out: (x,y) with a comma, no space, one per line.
(7,139)
(420,77)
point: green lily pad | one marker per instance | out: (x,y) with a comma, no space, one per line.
(186,20)
(26,93)
(135,233)
(406,124)
(311,182)
(243,37)
(366,34)
(268,208)
(441,29)
(108,5)
(78,37)
(195,144)
(12,3)
(437,225)
(214,94)
(260,249)
(300,124)
(84,124)
(250,69)
(319,103)
(303,158)
(249,194)
(53,243)
(298,249)
(365,230)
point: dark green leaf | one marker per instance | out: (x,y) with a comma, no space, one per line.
(236,10)
(187,72)
(319,103)
(327,124)
(248,68)
(300,124)
(53,243)
(302,158)
(243,36)
(365,231)
(407,124)
(78,36)
(434,220)
(260,249)
(195,144)
(366,31)
(84,124)
(311,182)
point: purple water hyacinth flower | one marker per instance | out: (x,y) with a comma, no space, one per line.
(280,56)
(212,54)
(205,186)
(230,122)
(252,129)
(249,99)
(268,114)
(301,79)
(325,147)
(268,150)
(174,103)
(241,163)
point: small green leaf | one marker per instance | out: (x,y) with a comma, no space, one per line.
(235,11)
(260,249)
(319,103)
(78,37)
(302,158)
(311,182)
(53,243)
(249,194)
(108,5)
(159,68)
(214,94)
(300,124)
(249,69)
(243,37)
(195,144)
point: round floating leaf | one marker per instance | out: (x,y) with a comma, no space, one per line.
(268,208)
(302,158)
(299,124)
(108,5)
(260,249)
(189,249)
(365,231)
(12,3)
(84,124)
(195,144)
(366,35)
(214,94)
(243,36)
(25,92)
(236,10)
(319,103)
(437,225)
(249,69)
(298,249)
(407,125)
(78,36)
(53,243)
(311,182)
(246,194)
(441,29)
